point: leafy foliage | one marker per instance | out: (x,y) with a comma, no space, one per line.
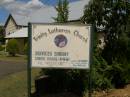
(26,48)
(2,40)
(68,80)
(2,48)
(63,11)
(12,47)
(99,69)
(111,17)
(111,65)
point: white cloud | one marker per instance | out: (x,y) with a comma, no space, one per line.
(22,8)
(3,2)
(32,5)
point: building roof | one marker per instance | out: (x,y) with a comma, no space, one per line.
(10,16)
(19,33)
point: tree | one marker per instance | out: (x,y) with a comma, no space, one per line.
(12,47)
(2,40)
(62,11)
(26,48)
(112,17)
(66,10)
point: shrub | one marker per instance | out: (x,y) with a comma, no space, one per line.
(100,79)
(1,48)
(2,39)
(12,47)
(68,80)
(118,73)
(26,48)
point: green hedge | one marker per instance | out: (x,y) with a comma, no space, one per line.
(12,47)
(2,47)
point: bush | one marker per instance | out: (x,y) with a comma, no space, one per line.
(77,81)
(100,79)
(12,47)
(1,48)
(119,75)
(2,39)
(26,48)
(68,80)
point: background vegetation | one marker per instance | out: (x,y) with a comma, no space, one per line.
(111,64)
(112,18)
(2,40)
(12,47)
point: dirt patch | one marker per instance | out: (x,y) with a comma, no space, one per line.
(125,92)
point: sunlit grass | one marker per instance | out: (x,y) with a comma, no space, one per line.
(16,58)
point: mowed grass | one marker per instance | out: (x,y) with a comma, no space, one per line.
(15,85)
(16,58)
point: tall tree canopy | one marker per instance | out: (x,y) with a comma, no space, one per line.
(112,18)
(1,35)
(62,11)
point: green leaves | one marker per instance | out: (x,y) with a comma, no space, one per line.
(12,47)
(63,13)
(2,40)
(111,17)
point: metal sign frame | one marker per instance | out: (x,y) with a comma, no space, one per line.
(29,66)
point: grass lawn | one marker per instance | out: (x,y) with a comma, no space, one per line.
(15,85)
(10,58)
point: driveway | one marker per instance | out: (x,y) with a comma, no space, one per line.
(9,67)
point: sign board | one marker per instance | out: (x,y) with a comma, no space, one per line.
(60,46)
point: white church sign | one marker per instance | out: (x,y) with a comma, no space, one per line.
(60,46)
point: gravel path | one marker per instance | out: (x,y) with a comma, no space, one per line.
(9,67)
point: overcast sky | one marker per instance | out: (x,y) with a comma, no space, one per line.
(23,7)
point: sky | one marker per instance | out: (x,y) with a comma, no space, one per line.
(23,7)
